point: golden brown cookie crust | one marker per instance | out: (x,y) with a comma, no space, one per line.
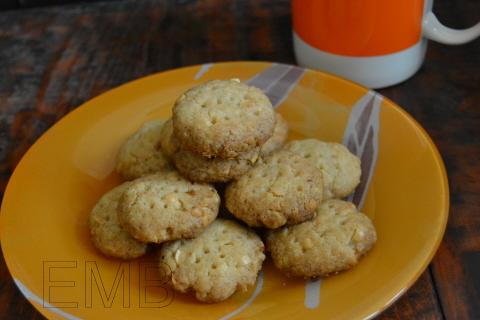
(331,242)
(105,230)
(202,169)
(340,168)
(223,118)
(141,153)
(163,207)
(198,168)
(282,189)
(278,138)
(167,140)
(224,258)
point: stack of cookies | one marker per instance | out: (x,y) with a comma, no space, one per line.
(227,132)
(219,130)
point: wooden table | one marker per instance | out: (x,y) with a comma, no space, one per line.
(53,59)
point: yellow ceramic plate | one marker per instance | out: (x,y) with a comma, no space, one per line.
(44,212)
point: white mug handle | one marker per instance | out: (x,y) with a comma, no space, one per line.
(434,30)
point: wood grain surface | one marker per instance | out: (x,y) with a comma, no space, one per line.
(54,58)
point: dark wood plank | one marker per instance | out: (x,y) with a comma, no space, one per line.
(53,59)
(17,4)
(456,267)
(9,4)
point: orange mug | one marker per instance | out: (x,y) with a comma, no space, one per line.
(376,43)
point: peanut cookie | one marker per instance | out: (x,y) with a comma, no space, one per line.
(167,140)
(332,242)
(105,230)
(165,206)
(223,118)
(341,169)
(198,168)
(224,258)
(277,140)
(282,189)
(141,154)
